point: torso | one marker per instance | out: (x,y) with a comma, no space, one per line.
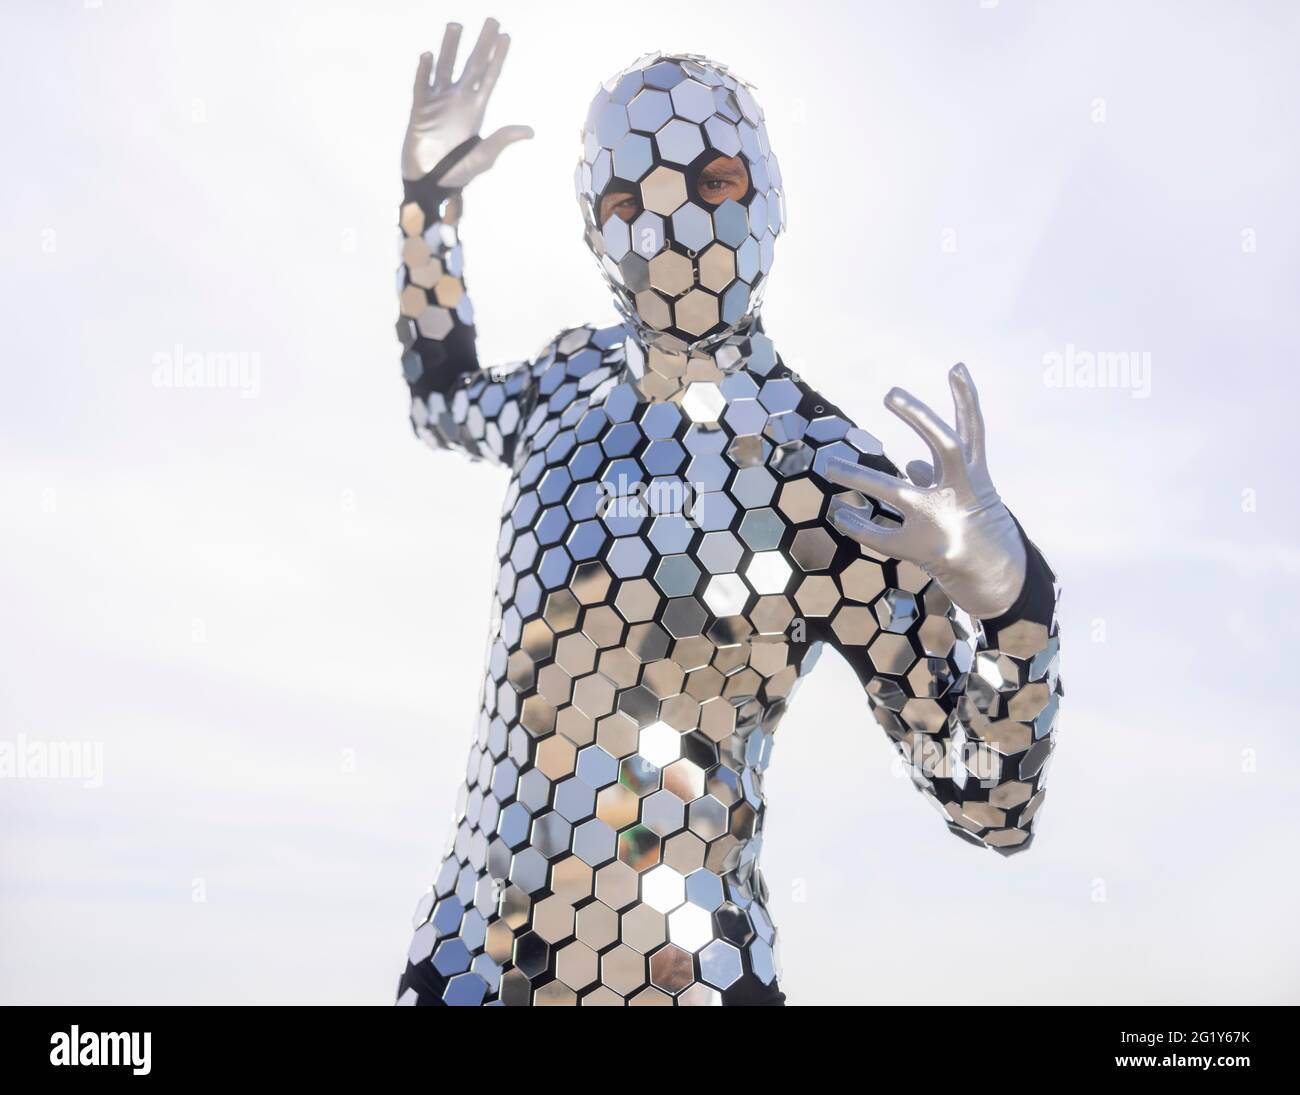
(659,549)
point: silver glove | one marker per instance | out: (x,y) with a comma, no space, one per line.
(447,114)
(955,526)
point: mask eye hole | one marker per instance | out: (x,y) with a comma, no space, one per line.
(723,178)
(617,202)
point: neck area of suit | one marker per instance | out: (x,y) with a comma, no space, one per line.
(663,367)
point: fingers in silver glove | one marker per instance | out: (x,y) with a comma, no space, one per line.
(954,524)
(447,113)
(966,404)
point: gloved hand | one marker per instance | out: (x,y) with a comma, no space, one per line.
(955,526)
(447,115)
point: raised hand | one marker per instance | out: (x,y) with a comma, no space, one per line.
(955,526)
(447,114)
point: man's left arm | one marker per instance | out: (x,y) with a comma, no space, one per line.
(977,729)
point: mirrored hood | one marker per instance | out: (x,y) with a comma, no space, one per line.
(681,197)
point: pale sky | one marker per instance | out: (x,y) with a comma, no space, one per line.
(269,612)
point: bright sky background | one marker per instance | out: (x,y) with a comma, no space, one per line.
(270,612)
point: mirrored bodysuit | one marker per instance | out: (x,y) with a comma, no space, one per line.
(667,575)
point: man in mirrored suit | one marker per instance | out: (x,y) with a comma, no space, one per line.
(687,526)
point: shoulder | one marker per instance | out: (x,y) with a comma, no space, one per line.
(577,351)
(803,426)
(831,432)
(568,368)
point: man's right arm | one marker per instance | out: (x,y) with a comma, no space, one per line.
(454,403)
